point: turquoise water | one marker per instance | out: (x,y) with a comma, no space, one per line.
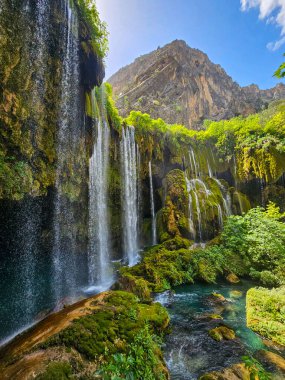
(189,350)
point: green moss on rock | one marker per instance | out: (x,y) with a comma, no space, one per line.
(221,333)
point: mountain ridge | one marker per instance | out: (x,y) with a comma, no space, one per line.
(181,85)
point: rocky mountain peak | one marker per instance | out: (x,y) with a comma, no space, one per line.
(181,85)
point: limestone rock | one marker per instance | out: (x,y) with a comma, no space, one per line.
(182,85)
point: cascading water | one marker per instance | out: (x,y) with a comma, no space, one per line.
(129,194)
(226,197)
(220,216)
(200,194)
(190,207)
(153,217)
(69,133)
(99,265)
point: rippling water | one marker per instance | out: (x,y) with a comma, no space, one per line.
(189,350)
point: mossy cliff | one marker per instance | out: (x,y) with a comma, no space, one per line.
(31,75)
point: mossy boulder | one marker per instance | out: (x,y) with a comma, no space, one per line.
(222,333)
(236,372)
(85,336)
(162,266)
(216,299)
(235,294)
(232,278)
(172,219)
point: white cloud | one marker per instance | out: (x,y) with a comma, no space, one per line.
(271,11)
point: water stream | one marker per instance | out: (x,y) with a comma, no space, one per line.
(189,350)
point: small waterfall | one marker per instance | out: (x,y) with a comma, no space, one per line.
(69,132)
(227,203)
(202,197)
(194,164)
(190,207)
(210,172)
(220,216)
(153,217)
(199,216)
(129,194)
(99,266)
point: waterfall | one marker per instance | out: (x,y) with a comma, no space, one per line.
(220,216)
(210,172)
(69,132)
(201,193)
(153,218)
(194,163)
(190,207)
(199,216)
(225,197)
(40,47)
(129,194)
(99,266)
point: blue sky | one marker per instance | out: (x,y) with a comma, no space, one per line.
(237,40)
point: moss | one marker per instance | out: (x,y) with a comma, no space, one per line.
(221,333)
(57,370)
(111,327)
(265,311)
(172,219)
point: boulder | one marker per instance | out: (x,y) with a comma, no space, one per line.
(222,333)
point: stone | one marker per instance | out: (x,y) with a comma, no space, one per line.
(181,85)
(232,278)
(236,372)
(222,333)
(235,294)
(272,359)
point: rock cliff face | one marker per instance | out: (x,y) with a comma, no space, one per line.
(181,85)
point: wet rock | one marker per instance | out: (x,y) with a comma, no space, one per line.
(216,298)
(235,294)
(232,278)
(215,316)
(236,372)
(222,333)
(272,360)
(275,346)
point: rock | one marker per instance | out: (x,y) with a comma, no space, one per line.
(274,346)
(236,372)
(216,298)
(232,278)
(182,86)
(272,359)
(215,316)
(235,294)
(222,333)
